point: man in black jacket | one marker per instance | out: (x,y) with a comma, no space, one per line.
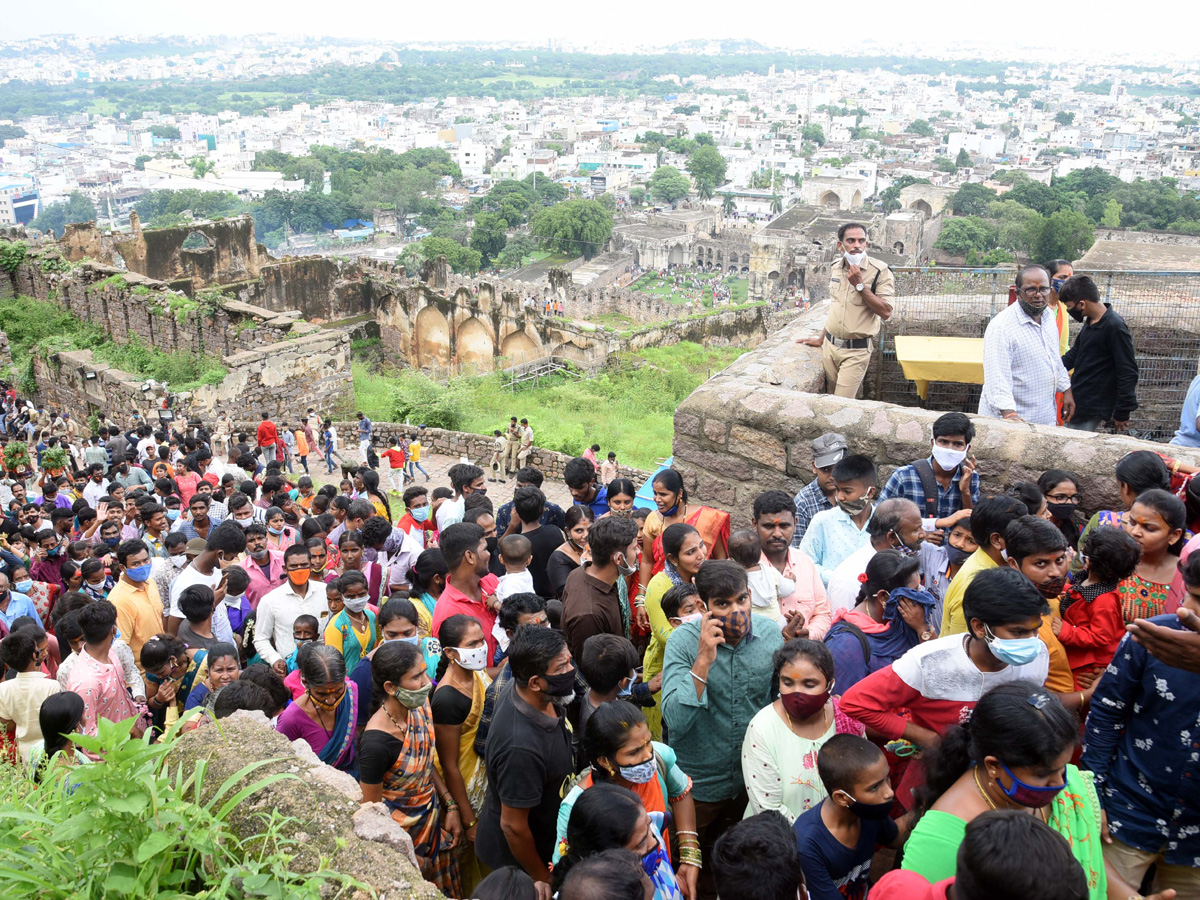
(1105,376)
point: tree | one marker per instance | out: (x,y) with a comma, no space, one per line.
(890,198)
(637,195)
(8,132)
(57,216)
(401,190)
(652,140)
(461,259)
(707,164)
(1035,195)
(608,201)
(669,185)
(963,160)
(574,226)
(683,145)
(704,189)
(921,128)
(945,164)
(776,204)
(1064,117)
(165,132)
(704,139)
(140,162)
(1112,215)
(1018,226)
(518,247)
(1066,234)
(489,236)
(728,204)
(814,133)
(972,200)
(960,235)
(201,167)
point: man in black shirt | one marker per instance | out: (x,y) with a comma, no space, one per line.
(1105,376)
(528,503)
(529,760)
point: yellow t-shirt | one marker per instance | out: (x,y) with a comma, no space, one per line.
(414,451)
(953,620)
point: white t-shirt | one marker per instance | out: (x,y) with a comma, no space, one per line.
(190,575)
(451,512)
(844,584)
(767,588)
(145,447)
(941,670)
(514,583)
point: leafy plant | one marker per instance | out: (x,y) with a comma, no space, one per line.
(12,254)
(131,826)
(16,456)
(55,458)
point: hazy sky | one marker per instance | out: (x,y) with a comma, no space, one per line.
(1091,28)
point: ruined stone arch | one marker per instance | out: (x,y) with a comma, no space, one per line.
(473,345)
(431,339)
(519,347)
(677,256)
(197,240)
(857,199)
(773,275)
(922,207)
(831,199)
(745,269)
(898,247)
(745,259)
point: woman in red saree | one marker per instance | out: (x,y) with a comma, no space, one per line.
(670,496)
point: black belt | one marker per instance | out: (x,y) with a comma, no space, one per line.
(848,343)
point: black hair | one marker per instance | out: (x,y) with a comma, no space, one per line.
(607,730)
(1008,855)
(450,634)
(528,503)
(842,759)
(96,621)
(228,538)
(295,550)
(606,660)
(609,536)
(60,715)
(223,650)
(391,662)
(744,547)
(847,226)
(1055,264)
(993,515)
(126,549)
(370,480)
(674,597)
(462,474)
(441,493)
(456,540)
(1002,596)
(196,602)
(310,528)
(1190,569)
(1032,534)
(1018,722)
(91,567)
(397,608)
(530,476)
(477,506)
(1079,288)
(531,651)
(603,818)
(719,579)
(610,875)
(886,571)
(771,502)
(270,681)
(802,648)
(673,482)
(237,501)
(160,649)
(953,423)
(243,694)
(72,601)
(321,664)
(307,621)
(579,472)
(673,537)
(428,565)
(351,577)
(1052,478)
(412,492)
(758,859)
(577,513)
(237,580)
(622,486)
(350,537)
(1029,268)
(515,548)
(856,467)
(1171,510)
(1029,494)
(376,530)
(525,604)
(507,883)
(18,648)
(1143,470)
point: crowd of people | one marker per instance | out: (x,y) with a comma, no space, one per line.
(899,687)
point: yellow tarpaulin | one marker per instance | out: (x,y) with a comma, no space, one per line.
(926,359)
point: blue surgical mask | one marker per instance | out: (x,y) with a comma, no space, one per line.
(1014,651)
(275,531)
(420,514)
(414,640)
(627,690)
(139,573)
(112,542)
(24,587)
(172,515)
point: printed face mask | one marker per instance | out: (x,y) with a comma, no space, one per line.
(735,626)
(1028,795)
(639,774)
(473,659)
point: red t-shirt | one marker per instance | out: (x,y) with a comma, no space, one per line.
(395,458)
(267,435)
(452,602)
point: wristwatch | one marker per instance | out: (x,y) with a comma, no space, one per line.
(858,287)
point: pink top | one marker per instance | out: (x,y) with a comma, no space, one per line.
(103,689)
(809,598)
(1177,591)
(260,584)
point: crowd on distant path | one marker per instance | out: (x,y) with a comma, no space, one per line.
(907,686)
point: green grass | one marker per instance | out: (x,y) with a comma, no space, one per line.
(615,321)
(629,408)
(515,75)
(661,287)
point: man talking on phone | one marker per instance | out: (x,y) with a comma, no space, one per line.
(860,291)
(224,544)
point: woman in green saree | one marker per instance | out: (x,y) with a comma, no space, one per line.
(1014,753)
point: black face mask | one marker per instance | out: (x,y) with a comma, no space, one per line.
(492,544)
(1076,314)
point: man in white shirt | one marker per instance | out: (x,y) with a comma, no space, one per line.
(225,543)
(96,487)
(896,525)
(1022,369)
(277,611)
(465,479)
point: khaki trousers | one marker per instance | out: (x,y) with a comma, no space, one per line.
(1131,864)
(844,369)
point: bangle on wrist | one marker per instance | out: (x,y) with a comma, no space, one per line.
(703,681)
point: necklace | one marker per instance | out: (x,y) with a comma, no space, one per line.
(792,725)
(400,728)
(1038,813)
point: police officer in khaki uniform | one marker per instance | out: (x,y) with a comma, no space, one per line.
(860,290)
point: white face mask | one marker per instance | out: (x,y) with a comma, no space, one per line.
(949,459)
(356,604)
(235,601)
(179,560)
(501,636)
(474,659)
(855,259)
(692,617)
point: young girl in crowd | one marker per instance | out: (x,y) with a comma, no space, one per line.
(428,580)
(1137,472)
(1092,622)
(1156,521)
(1062,502)
(574,550)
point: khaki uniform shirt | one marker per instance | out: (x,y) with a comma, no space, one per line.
(849,316)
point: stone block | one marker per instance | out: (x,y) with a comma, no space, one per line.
(764,449)
(715,431)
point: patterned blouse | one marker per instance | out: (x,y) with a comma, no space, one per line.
(1142,599)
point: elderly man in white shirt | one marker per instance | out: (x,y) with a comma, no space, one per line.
(1022,369)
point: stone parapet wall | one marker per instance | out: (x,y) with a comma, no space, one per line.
(1129,236)
(749,429)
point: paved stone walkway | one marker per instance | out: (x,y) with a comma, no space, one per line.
(438,467)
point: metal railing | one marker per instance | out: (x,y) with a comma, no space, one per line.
(1162,310)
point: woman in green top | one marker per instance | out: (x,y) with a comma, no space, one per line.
(1014,753)
(685,552)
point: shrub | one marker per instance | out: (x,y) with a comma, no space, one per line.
(12,254)
(417,398)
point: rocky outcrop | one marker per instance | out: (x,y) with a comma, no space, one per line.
(321,803)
